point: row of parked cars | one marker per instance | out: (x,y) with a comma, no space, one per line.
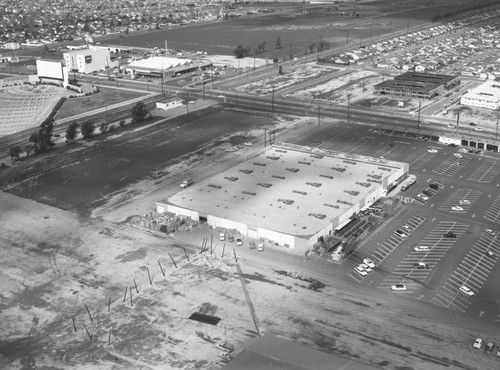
(365,268)
(488,348)
(239,242)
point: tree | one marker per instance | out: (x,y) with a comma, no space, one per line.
(44,138)
(15,151)
(311,47)
(139,112)
(87,129)
(122,123)
(71,132)
(241,51)
(323,45)
(278,43)
(280,70)
(103,127)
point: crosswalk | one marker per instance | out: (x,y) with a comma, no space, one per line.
(493,212)
(407,272)
(451,166)
(462,198)
(486,172)
(472,272)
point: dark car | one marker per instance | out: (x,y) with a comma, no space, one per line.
(231,238)
(450,234)
(489,347)
(252,245)
(472,124)
(434,186)
(428,193)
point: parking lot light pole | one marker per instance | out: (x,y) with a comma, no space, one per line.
(458,116)
(496,133)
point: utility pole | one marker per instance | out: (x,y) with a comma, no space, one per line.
(330,99)
(203,89)
(496,133)
(290,51)
(348,106)
(265,137)
(236,93)
(319,117)
(458,116)
(418,119)
(272,102)
(254,60)
(347,38)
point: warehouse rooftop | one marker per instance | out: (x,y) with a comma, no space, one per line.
(288,188)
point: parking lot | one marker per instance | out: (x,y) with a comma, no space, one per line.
(464,200)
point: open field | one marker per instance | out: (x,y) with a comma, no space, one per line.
(296,28)
(104,98)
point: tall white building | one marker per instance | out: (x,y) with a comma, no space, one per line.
(486,96)
(89,60)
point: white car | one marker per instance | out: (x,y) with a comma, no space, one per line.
(464,202)
(478,343)
(400,233)
(450,126)
(398,287)
(458,155)
(421,249)
(222,237)
(478,129)
(462,150)
(248,143)
(466,290)
(239,241)
(360,271)
(368,262)
(489,231)
(423,197)
(365,267)
(432,150)
(457,208)
(260,247)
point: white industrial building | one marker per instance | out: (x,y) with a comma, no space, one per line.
(486,95)
(89,60)
(289,195)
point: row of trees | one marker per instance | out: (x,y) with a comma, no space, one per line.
(244,51)
(42,140)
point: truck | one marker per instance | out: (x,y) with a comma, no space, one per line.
(186,183)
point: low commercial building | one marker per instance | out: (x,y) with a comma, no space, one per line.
(156,66)
(169,103)
(289,195)
(417,85)
(486,96)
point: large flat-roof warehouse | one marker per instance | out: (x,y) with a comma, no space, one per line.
(289,195)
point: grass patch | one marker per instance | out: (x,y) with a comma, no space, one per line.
(103,99)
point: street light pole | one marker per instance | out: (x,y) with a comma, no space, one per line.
(458,116)
(496,133)
(265,137)
(319,118)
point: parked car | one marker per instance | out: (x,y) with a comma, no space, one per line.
(368,262)
(458,155)
(464,202)
(434,186)
(450,234)
(260,247)
(222,237)
(432,150)
(472,124)
(491,255)
(400,233)
(478,343)
(457,208)
(428,193)
(360,271)
(231,238)
(421,249)
(239,241)
(224,346)
(398,287)
(406,227)
(466,290)
(365,267)
(489,231)
(489,347)
(225,356)
(420,266)
(251,245)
